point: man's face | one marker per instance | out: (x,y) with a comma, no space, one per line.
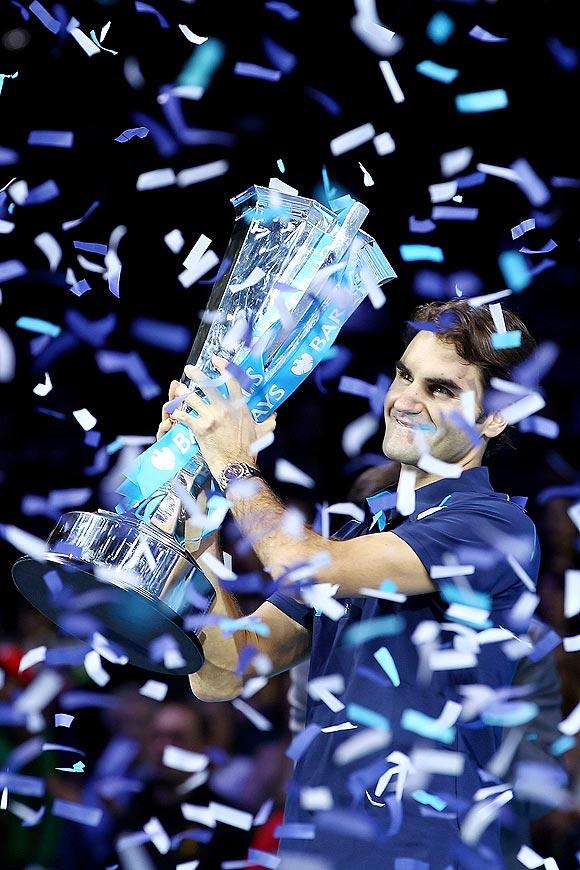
(418,399)
(173,725)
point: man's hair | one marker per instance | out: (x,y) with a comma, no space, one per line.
(469,328)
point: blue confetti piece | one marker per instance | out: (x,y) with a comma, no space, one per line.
(278,56)
(45,17)
(11,269)
(382,626)
(280,165)
(294,831)
(419,723)
(440,28)
(69,225)
(387,662)
(51,138)
(435,71)
(409,253)
(428,800)
(302,741)
(503,340)
(255,71)
(131,133)
(509,714)
(169,336)
(421,226)
(8,156)
(283,9)
(91,247)
(454,213)
(80,287)
(514,270)
(454,594)
(474,179)
(565,56)
(327,103)
(562,744)
(34,324)
(364,716)
(482,101)
(146,7)
(43,193)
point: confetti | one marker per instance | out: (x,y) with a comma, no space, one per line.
(255,71)
(94,668)
(155,178)
(76,812)
(410,253)
(45,17)
(34,324)
(478,32)
(7,358)
(174,241)
(440,27)
(386,661)
(51,138)
(392,83)
(146,7)
(283,9)
(31,658)
(191,36)
(158,835)
(196,174)
(230,816)
(352,139)
(482,101)
(85,419)
(183,759)
(131,133)
(63,720)
(50,248)
(288,473)
(436,71)
(252,715)
(384,144)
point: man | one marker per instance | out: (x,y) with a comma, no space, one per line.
(404,654)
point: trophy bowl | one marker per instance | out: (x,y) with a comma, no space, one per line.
(114,574)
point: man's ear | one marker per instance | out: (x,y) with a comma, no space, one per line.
(494,425)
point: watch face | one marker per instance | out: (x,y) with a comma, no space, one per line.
(235,470)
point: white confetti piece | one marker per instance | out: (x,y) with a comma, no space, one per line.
(442,192)
(158,835)
(343,726)
(191,36)
(95,669)
(87,45)
(571,724)
(187,865)
(32,657)
(255,275)
(572,644)
(438,761)
(195,813)
(217,567)
(320,596)
(156,178)
(357,433)
(261,443)
(7,358)
(4,798)
(498,319)
(50,248)
(574,514)
(453,162)
(384,144)
(63,720)
(253,715)
(521,573)
(406,491)
(6,227)
(498,171)
(231,816)
(361,744)
(43,689)
(352,139)
(195,174)
(197,252)
(316,798)
(288,473)
(523,408)
(529,858)
(368,180)
(45,388)
(207,262)
(174,240)
(154,689)
(392,83)
(436,572)
(192,782)
(481,815)
(476,301)
(432,465)
(85,419)
(571,593)
(451,660)
(28,544)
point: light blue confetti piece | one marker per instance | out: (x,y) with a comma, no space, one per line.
(201,66)
(419,723)
(482,101)
(280,164)
(454,594)
(421,252)
(502,340)
(34,324)
(382,626)
(364,716)
(51,138)
(115,445)
(387,662)
(514,270)
(440,28)
(6,76)
(509,714)
(432,70)
(562,744)
(388,586)
(429,800)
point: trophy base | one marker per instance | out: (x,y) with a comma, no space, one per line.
(127,617)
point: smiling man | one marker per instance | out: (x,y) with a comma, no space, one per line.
(418,649)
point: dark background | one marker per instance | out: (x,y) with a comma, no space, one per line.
(42,448)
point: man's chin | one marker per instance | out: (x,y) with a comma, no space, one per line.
(398,454)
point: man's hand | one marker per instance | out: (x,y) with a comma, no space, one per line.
(175,389)
(224,427)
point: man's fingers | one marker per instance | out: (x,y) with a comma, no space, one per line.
(225,369)
(164,427)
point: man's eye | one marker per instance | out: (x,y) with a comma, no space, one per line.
(402,374)
(443,390)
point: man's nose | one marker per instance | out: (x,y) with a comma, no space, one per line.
(408,399)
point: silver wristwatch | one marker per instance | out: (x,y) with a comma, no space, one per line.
(237,471)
